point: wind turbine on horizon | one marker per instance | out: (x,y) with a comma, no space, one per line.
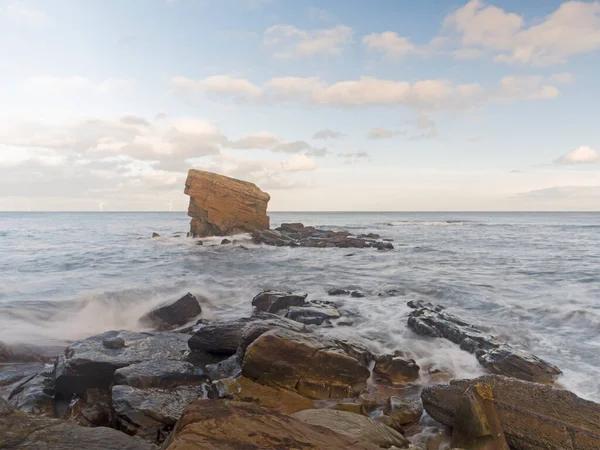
(170,205)
(102,206)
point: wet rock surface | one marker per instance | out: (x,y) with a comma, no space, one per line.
(395,369)
(160,374)
(273,301)
(354,426)
(533,416)
(88,364)
(404,412)
(230,425)
(316,367)
(151,413)
(174,313)
(493,354)
(297,235)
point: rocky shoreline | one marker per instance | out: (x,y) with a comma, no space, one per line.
(276,380)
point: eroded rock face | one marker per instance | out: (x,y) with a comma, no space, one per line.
(533,416)
(316,367)
(222,206)
(496,356)
(230,425)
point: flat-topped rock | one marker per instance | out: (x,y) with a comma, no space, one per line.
(88,363)
(297,235)
(493,354)
(222,206)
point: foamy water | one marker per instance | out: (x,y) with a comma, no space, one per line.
(532,279)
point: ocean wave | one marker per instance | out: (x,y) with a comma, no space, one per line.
(447,223)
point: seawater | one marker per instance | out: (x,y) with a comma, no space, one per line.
(532,279)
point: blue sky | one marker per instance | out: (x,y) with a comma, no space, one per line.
(330,105)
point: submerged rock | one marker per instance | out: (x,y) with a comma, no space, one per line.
(496,356)
(316,367)
(230,425)
(223,206)
(273,301)
(88,364)
(354,426)
(173,313)
(155,235)
(312,315)
(533,416)
(297,235)
(23,431)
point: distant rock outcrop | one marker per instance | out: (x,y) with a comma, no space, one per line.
(222,206)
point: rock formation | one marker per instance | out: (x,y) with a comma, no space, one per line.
(222,206)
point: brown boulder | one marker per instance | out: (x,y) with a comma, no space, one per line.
(222,206)
(273,301)
(354,426)
(533,416)
(395,369)
(229,425)
(405,412)
(245,390)
(316,367)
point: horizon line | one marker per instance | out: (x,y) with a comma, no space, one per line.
(321,211)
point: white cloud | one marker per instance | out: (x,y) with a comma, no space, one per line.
(64,85)
(219,84)
(287,41)
(382,133)
(389,43)
(573,28)
(562,78)
(328,134)
(299,163)
(581,155)
(269,141)
(369,91)
(24,13)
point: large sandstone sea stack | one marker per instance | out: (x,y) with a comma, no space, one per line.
(222,206)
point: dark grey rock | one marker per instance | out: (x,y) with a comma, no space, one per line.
(159,374)
(493,354)
(88,364)
(114,343)
(312,315)
(33,394)
(225,242)
(228,368)
(172,314)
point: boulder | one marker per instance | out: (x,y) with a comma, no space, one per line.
(405,412)
(155,235)
(225,242)
(355,426)
(33,394)
(230,425)
(173,313)
(312,315)
(316,367)
(151,413)
(271,397)
(23,431)
(222,206)
(533,416)
(159,374)
(395,369)
(227,338)
(498,357)
(88,364)
(273,301)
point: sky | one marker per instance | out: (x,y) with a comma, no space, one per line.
(335,105)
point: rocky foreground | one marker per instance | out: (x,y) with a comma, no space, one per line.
(274,380)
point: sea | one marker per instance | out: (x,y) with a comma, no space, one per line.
(532,279)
